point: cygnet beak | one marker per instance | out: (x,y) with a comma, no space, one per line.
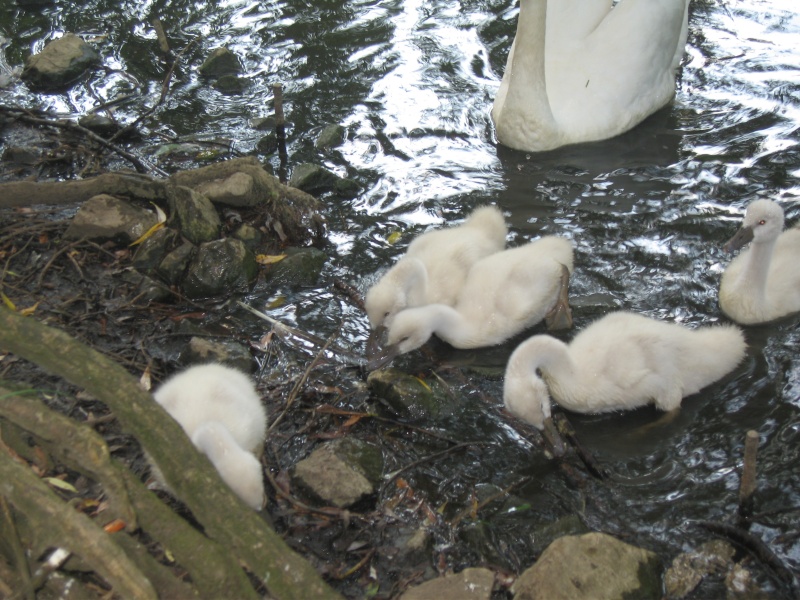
(551,434)
(742,237)
(382,357)
(375,341)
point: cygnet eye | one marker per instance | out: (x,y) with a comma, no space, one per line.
(762,222)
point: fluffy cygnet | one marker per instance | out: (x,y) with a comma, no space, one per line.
(619,362)
(435,266)
(221,412)
(763,282)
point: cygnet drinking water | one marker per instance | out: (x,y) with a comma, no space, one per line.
(619,362)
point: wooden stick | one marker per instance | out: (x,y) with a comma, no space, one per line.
(280,130)
(748,482)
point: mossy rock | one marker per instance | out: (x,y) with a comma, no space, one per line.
(193,214)
(220,267)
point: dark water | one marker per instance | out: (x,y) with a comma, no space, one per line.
(648,212)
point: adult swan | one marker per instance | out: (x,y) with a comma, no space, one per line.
(580,70)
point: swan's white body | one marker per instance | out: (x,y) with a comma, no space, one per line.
(619,362)
(435,265)
(221,412)
(503,295)
(580,70)
(763,282)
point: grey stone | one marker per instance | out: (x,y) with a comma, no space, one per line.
(151,252)
(251,236)
(469,584)
(60,63)
(203,350)
(237,190)
(105,217)
(341,472)
(146,288)
(194,214)
(174,264)
(220,267)
(594,566)
(220,62)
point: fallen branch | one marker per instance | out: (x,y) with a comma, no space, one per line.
(70,529)
(223,515)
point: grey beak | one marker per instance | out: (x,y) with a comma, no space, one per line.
(742,237)
(382,358)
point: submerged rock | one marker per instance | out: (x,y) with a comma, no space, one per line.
(469,584)
(594,566)
(407,396)
(301,268)
(315,180)
(330,137)
(220,267)
(341,472)
(219,63)
(60,63)
(105,217)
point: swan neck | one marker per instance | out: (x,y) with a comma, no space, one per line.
(449,324)
(756,270)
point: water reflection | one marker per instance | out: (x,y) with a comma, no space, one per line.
(413,82)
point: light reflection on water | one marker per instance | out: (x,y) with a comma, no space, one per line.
(648,212)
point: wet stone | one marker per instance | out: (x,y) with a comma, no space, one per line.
(173,267)
(21,155)
(594,566)
(469,584)
(221,266)
(301,268)
(105,217)
(151,252)
(203,350)
(313,178)
(689,569)
(330,137)
(99,124)
(146,288)
(194,214)
(219,63)
(251,236)
(60,63)
(341,472)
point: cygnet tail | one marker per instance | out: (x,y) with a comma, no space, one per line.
(488,219)
(716,352)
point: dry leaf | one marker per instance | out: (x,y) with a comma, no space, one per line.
(269,259)
(7,301)
(62,485)
(394,237)
(26,312)
(148,233)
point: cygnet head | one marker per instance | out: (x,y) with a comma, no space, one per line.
(240,469)
(392,293)
(409,330)
(763,222)
(526,396)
